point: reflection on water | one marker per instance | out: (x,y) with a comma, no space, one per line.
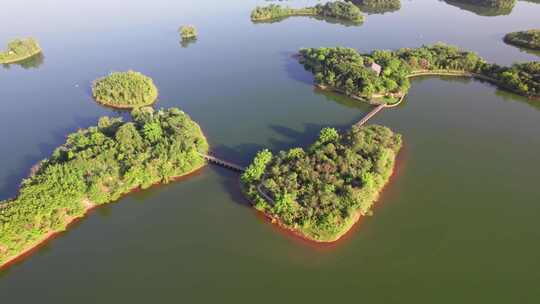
(528,51)
(342,99)
(325,19)
(510,97)
(33,62)
(186,42)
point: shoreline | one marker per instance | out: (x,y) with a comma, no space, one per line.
(89,206)
(420,73)
(23,58)
(124,107)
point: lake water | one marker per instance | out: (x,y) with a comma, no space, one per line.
(458,223)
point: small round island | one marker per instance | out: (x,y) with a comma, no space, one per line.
(125,90)
(188,32)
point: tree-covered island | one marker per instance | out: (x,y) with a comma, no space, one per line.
(19,49)
(319,193)
(341,10)
(529,39)
(384,75)
(187,32)
(125,90)
(485,7)
(96,166)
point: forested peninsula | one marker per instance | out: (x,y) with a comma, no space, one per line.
(19,49)
(341,10)
(529,39)
(383,76)
(95,166)
(319,193)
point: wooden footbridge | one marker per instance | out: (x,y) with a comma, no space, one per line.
(369,115)
(223,163)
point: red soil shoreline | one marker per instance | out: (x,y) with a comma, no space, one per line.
(33,248)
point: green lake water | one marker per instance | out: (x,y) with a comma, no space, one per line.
(457,224)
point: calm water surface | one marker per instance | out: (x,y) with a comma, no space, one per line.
(458,223)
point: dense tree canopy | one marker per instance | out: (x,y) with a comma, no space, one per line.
(338,9)
(321,191)
(528,39)
(352,73)
(96,166)
(20,49)
(125,90)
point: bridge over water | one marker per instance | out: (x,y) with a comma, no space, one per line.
(223,163)
(237,168)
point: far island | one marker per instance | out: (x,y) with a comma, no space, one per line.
(485,7)
(529,39)
(378,6)
(188,35)
(320,192)
(96,166)
(187,32)
(383,76)
(19,50)
(125,90)
(340,10)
